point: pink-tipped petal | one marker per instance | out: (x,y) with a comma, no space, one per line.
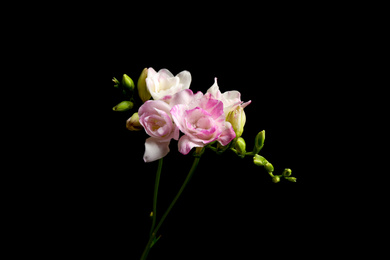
(186,144)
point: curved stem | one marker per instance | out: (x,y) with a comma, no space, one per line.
(156,184)
(153,235)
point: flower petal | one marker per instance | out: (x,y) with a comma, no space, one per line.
(164,73)
(214,90)
(227,134)
(155,150)
(151,72)
(185,79)
(186,97)
(178,113)
(246,103)
(186,144)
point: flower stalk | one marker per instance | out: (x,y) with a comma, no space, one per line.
(152,239)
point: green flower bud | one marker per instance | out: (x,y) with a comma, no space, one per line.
(240,147)
(128,83)
(276,179)
(123,106)
(259,160)
(287,172)
(269,167)
(237,118)
(143,91)
(133,123)
(292,179)
(259,142)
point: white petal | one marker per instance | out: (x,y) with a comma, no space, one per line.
(151,72)
(214,90)
(155,150)
(164,73)
(150,85)
(185,79)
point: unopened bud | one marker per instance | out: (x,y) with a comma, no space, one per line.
(269,167)
(237,118)
(123,106)
(128,83)
(143,91)
(133,123)
(241,147)
(276,179)
(259,142)
(287,172)
(292,179)
(259,160)
(116,82)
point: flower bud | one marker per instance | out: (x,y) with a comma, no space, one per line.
(269,167)
(133,123)
(123,106)
(292,179)
(237,118)
(240,147)
(116,82)
(143,91)
(259,160)
(259,142)
(276,179)
(287,172)
(128,83)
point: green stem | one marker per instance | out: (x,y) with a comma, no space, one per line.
(153,235)
(156,184)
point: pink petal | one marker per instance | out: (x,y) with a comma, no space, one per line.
(246,103)
(185,97)
(213,106)
(186,144)
(178,115)
(227,134)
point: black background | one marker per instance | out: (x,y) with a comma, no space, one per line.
(230,208)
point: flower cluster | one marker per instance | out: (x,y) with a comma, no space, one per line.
(170,107)
(212,120)
(200,117)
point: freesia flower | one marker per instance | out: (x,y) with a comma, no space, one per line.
(163,82)
(230,99)
(201,118)
(155,117)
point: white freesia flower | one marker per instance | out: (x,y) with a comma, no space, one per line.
(163,83)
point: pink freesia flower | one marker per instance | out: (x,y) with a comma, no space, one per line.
(155,117)
(201,118)
(230,99)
